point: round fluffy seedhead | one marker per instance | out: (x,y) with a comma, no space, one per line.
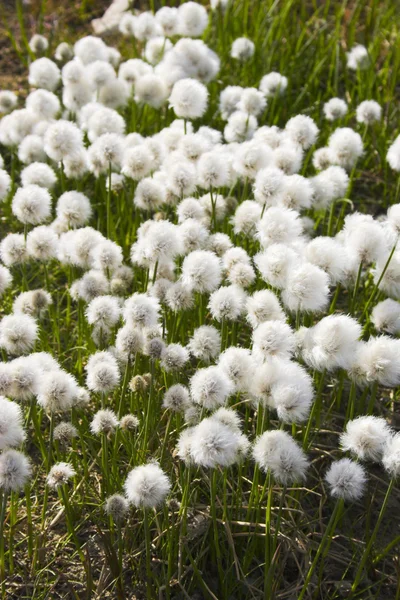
(147,486)
(210,387)
(189,99)
(104,421)
(32,204)
(277,452)
(213,443)
(117,507)
(346,479)
(205,344)
(129,423)
(391,456)
(65,432)
(176,398)
(11,430)
(15,470)
(18,333)
(60,474)
(242,49)
(366,437)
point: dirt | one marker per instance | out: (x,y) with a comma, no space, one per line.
(62,21)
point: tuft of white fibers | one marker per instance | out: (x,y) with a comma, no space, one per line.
(390,281)
(151,89)
(268,184)
(228,417)
(393,154)
(275,264)
(31,204)
(168,18)
(193,145)
(107,256)
(102,372)
(210,387)
(33,302)
(60,474)
(346,480)
(65,432)
(238,364)
(358,58)
(365,238)
(38,44)
(193,234)
(92,284)
(335,108)
(329,255)
(6,378)
(273,84)
(250,158)
(347,146)
(176,398)
(5,184)
(40,174)
(277,452)
(63,52)
(45,104)
(292,392)
(366,437)
(62,139)
(252,102)
(240,127)
(273,338)
(155,49)
(19,378)
(212,172)
(296,192)
(104,421)
(116,507)
(213,443)
(322,159)
(8,101)
(74,208)
(192,19)
(90,48)
(229,99)
(42,243)
(306,289)
(106,152)
(128,342)
(11,432)
(233,256)
(241,275)
(103,311)
(5,279)
(262,306)
(288,157)
(179,297)
(104,120)
(205,343)
(137,162)
(147,486)
(189,99)
(174,357)
(391,456)
(149,194)
(302,130)
(386,316)
(44,73)
(246,217)
(99,73)
(279,225)
(228,302)
(242,49)
(201,271)
(57,390)
(13,249)
(368,112)
(332,343)
(181,178)
(141,310)
(18,333)
(15,470)
(377,360)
